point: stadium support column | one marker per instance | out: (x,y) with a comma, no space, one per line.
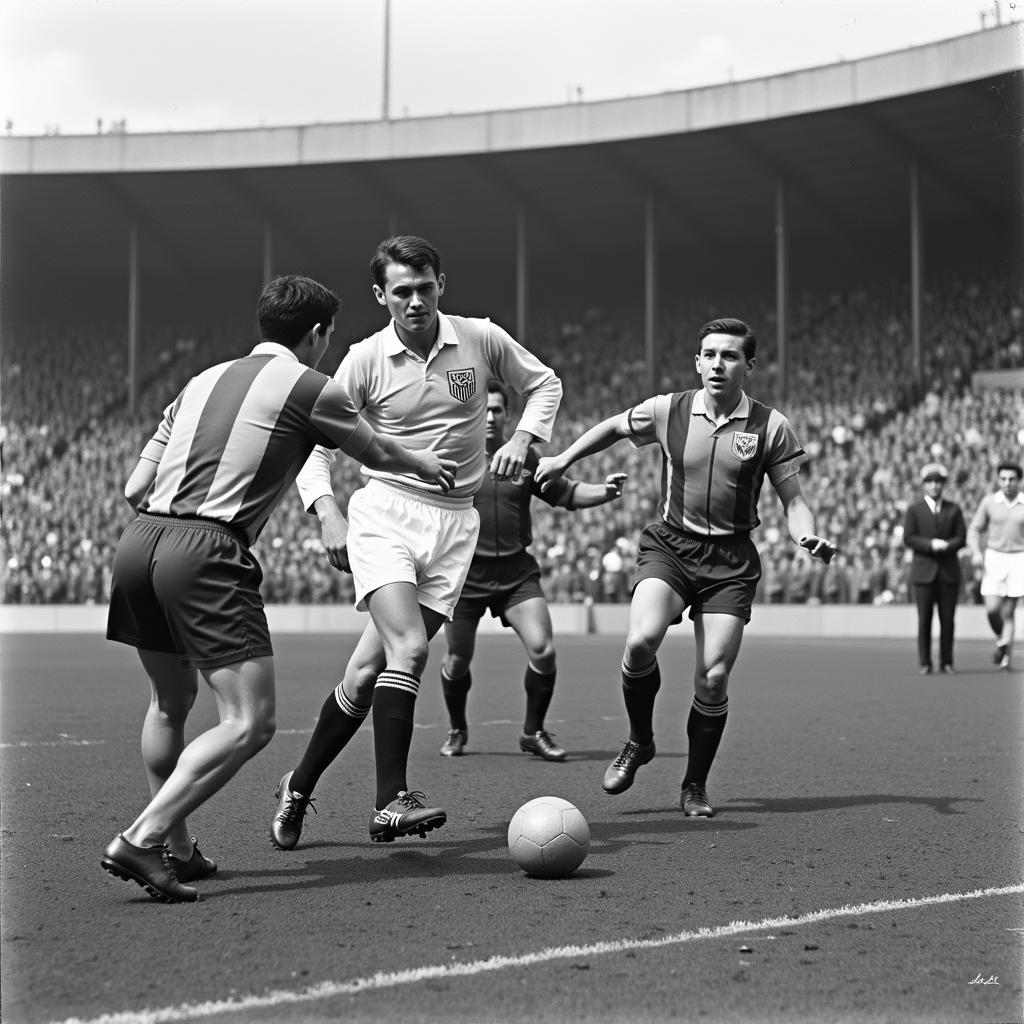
(916,277)
(781,291)
(521,297)
(268,252)
(133,316)
(650,298)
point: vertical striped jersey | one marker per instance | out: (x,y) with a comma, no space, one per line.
(439,403)
(712,472)
(232,443)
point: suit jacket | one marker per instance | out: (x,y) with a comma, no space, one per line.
(920,527)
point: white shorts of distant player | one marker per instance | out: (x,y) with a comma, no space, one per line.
(398,534)
(1004,574)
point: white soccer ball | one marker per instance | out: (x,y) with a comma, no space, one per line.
(548,837)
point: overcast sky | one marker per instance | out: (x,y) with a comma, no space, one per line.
(178,65)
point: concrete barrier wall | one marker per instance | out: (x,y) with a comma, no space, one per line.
(569,620)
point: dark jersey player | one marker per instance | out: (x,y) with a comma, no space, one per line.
(504,578)
(718,445)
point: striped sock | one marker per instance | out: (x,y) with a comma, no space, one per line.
(456,692)
(704,730)
(639,688)
(394,703)
(338,722)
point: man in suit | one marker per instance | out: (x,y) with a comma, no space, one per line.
(935,531)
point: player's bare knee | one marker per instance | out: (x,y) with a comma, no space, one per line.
(640,649)
(455,666)
(713,685)
(543,659)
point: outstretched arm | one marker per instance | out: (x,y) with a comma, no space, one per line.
(596,439)
(583,495)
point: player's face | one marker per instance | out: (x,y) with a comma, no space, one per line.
(722,365)
(411,297)
(1009,484)
(496,414)
(933,487)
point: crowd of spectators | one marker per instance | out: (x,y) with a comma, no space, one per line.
(852,394)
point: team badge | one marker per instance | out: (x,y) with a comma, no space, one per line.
(744,446)
(462,384)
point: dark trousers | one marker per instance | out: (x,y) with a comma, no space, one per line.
(941,594)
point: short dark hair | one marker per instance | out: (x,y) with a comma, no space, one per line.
(290,305)
(495,387)
(410,250)
(1011,467)
(737,328)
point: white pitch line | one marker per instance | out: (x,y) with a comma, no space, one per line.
(392,979)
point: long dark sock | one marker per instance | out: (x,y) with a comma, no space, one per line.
(995,622)
(394,703)
(704,730)
(456,693)
(338,722)
(540,688)
(639,688)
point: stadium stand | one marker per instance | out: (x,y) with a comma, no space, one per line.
(67,445)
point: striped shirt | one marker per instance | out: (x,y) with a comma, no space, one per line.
(231,444)
(439,403)
(712,472)
(1001,521)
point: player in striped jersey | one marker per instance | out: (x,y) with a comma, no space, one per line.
(422,378)
(185,587)
(718,445)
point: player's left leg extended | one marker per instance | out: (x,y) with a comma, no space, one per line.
(718,638)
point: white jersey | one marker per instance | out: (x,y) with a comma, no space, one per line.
(439,403)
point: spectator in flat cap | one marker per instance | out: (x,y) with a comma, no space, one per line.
(934,529)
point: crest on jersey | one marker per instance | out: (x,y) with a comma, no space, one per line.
(462,384)
(744,446)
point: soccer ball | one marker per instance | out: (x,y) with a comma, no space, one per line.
(548,837)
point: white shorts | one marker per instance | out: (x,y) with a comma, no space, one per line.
(396,535)
(1004,574)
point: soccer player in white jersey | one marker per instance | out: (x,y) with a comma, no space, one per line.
(423,381)
(185,588)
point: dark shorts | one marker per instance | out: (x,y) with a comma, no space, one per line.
(718,576)
(189,587)
(497,584)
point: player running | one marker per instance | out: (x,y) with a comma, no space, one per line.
(422,380)
(718,444)
(505,579)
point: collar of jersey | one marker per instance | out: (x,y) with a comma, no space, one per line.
(273,348)
(445,336)
(1018,498)
(742,410)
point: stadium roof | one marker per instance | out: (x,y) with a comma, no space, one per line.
(213,208)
